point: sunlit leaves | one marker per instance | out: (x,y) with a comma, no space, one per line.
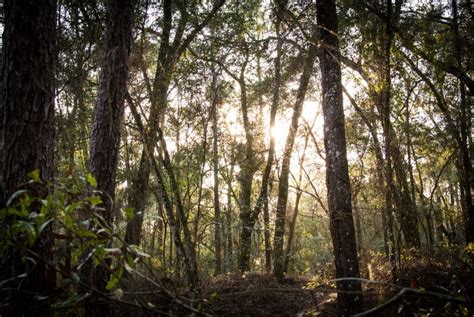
(115,278)
(91,180)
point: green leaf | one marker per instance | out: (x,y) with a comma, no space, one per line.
(91,180)
(94,200)
(44,225)
(14,196)
(99,255)
(130,260)
(115,278)
(35,176)
(130,213)
(214,296)
(21,213)
(127,267)
(68,223)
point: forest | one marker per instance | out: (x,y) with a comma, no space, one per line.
(236,158)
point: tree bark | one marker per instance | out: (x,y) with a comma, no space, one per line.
(27,96)
(466,175)
(215,166)
(26,136)
(337,174)
(246,178)
(108,115)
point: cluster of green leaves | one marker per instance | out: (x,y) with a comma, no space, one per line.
(24,218)
(69,215)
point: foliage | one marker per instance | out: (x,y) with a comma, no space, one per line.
(69,214)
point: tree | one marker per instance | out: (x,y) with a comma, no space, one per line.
(109,110)
(337,174)
(465,125)
(278,261)
(169,54)
(27,128)
(27,103)
(108,115)
(215,167)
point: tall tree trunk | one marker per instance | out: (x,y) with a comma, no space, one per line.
(406,207)
(246,179)
(27,95)
(215,166)
(266,235)
(26,135)
(299,193)
(291,231)
(371,126)
(383,103)
(108,115)
(337,174)
(262,200)
(109,108)
(278,258)
(467,181)
(168,57)
(228,251)
(185,250)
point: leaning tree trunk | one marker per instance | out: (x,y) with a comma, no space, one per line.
(26,135)
(109,109)
(263,196)
(337,174)
(278,259)
(109,112)
(299,194)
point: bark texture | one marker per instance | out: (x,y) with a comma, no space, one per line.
(215,167)
(107,123)
(108,115)
(337,175)
(27,100)
(26,137)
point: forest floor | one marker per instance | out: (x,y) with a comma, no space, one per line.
(260,295)
(429,285)
(440,284)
